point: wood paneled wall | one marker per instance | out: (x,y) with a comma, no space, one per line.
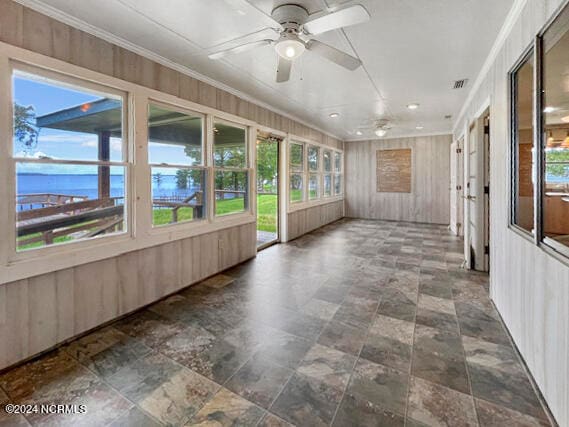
(429,198)
(529,286)
(38,313)
(306,220)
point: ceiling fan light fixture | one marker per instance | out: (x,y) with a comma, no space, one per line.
(290,48)
(381,132)
(359,133)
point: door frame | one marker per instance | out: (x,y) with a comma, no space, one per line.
(281,186)
(477,120)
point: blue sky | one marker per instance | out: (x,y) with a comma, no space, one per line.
(58,144)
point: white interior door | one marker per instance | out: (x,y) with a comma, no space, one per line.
(456,185)
(460,187)
(476,206)
(453,183)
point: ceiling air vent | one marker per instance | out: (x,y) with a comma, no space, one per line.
(459,84)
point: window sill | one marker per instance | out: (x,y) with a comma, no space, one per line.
(293,207)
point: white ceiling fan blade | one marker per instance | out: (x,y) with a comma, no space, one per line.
(343,18)
(264,34)
(283,70)
(239,49)
(332,54)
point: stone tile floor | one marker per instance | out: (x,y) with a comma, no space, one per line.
(361,323)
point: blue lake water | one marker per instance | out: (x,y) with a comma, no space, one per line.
(87,185)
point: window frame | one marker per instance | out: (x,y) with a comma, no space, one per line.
(528,54)
(212,169)
(338,174)
(16,266)
(321,200)
(77,82)
(203,166)
(548,245)
(301,171)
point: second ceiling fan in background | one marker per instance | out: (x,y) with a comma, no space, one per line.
(294,27)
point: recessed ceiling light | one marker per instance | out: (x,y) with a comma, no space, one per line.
(549,109)
(413,106)
(334,115)
(419,127)
(359,133)
(565,119)
(380,132)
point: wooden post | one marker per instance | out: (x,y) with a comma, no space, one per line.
(104,171)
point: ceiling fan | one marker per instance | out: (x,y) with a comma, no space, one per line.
(380,127)
(295,28)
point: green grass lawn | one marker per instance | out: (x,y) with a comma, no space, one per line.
(267,206)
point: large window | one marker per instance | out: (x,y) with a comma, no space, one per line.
(541,168)
(555,173)
(231,172)
(338,181)
(327,160)
(70,160)
(314,172)
(175,154)
(523,148)
(296,156)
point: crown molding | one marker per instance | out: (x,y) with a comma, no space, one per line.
(509,22)
(72,21)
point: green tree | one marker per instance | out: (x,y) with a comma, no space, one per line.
(25,130)
(267,163)
(557,162)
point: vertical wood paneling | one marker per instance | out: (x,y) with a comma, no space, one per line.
(306,220)
(529,287)
(42,312)
(429,198)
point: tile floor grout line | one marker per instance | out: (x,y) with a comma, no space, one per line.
(358,357)
(412,351)
(79,363)
(468,375)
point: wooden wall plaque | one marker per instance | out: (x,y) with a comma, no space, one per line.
(394,171)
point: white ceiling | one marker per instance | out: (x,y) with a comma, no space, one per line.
(412,51)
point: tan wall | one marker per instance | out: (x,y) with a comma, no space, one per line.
(40,312)
(304,221)
(430,196)
(529,286)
